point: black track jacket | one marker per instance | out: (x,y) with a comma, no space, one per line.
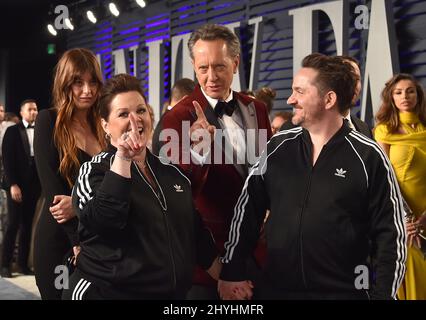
(136,239)
(323,218)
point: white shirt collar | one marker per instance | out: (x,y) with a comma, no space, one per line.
(213,102)
(26,124)
(348,117)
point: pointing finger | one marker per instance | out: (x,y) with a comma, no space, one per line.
(199,111)
(133,123)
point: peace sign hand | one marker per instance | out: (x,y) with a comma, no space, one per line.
(201,123)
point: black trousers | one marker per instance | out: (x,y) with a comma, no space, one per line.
(20,218)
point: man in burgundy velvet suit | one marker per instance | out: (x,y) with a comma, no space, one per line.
(237,127)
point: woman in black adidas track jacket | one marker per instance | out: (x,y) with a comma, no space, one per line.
(325,220)
(140,235)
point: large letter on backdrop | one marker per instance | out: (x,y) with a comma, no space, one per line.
(181,60)
(305,41)
(382,57)
(156,76)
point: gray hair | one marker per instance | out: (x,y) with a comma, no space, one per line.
(210,32)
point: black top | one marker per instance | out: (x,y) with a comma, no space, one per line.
(322,217)
(135,238)
(47,162)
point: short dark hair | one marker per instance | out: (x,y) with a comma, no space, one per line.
(27,101)
(349,58)
(210,32)
(266,95)
(119,83)
(286,115)
(182,87)
(333,75)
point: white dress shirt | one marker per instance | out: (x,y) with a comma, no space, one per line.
(233,131)
(30,134)
(351,125)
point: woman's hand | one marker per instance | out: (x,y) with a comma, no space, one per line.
(422,220)
(62,208)
(413,234)
(131,143)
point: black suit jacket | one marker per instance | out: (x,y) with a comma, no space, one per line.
(362,127)
(19,166)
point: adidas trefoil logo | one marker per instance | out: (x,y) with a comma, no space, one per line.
(340,173)
(178,188)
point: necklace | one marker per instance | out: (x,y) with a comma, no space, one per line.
(141,162)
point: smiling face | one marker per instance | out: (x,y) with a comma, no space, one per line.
(308,104)
(84,91)
(404,96)
(214,67)
(118,121)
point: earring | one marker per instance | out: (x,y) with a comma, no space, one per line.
(107,136)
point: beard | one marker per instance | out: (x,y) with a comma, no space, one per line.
(297,119)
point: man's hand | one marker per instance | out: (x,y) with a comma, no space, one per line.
(76,250)
(62,208)
(201,123)
(215,268)
(15,193)
(240,290)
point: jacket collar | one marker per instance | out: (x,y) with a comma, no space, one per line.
(336,138)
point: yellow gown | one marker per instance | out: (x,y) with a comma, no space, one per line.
(408,157)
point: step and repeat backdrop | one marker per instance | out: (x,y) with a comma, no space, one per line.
(386,36)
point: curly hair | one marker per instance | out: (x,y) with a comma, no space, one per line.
(389,113)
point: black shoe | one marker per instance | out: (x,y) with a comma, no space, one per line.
(5,272)
(26,271)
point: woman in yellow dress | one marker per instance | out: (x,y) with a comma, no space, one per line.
(401,132)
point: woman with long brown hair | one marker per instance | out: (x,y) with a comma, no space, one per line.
(65,136)
(401,132)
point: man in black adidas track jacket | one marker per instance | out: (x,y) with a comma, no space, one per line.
(332,196)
